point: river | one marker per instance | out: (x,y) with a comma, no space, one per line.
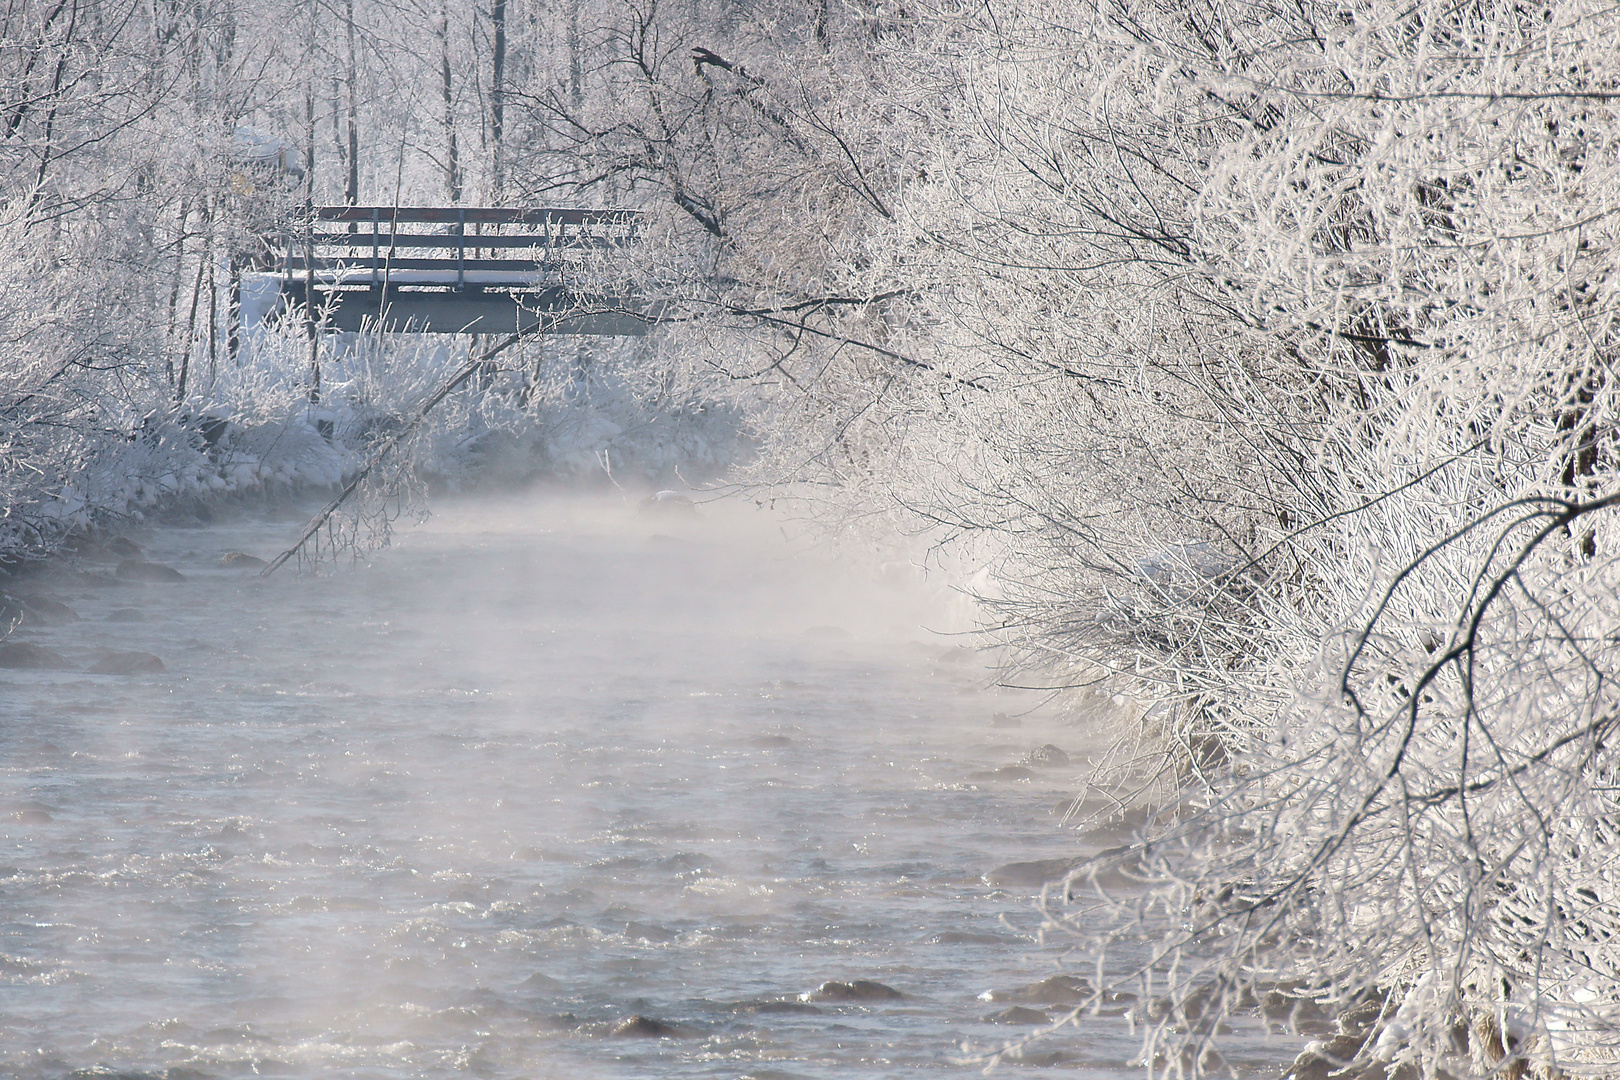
(544,766)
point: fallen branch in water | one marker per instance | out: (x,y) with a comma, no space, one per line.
(378,456)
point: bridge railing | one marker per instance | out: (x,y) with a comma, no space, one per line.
(443,245)
(452,270)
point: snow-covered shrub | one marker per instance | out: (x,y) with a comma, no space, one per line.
(84,426)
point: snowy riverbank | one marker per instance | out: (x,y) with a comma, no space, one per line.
(582,412)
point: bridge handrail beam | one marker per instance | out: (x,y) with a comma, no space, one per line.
(527,268)
(385,240)
(481,215)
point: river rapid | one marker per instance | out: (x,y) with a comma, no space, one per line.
(544,766)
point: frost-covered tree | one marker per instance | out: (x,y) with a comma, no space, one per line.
(1263,351)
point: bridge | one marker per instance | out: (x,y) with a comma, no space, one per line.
(453,270)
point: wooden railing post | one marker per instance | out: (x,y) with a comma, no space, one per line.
(309,306)
(461,248)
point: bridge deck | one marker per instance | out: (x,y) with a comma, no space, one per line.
(481,270)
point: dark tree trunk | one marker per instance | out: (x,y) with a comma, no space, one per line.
(497,102)
(452,161)
(351,188)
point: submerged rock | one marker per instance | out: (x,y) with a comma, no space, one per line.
(669,503)
(1018,1014)
(33,610)
(22,655)
(790,1006)
(1032,874)
(1063,992)
(1347,1053)
(128,663)
(13,612)
(643,1027)
(1057,990)
(967,937)
(105,550)
(1041,1059)
(1285,1005)
(241,560)
(1334,1059)
(53,610)
(136,570)
(859,990)
(123,548)
(1047,757)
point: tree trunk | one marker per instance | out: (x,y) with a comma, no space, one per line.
(576,58)
(309,227)
(452,160)
(1581,430)
(174,284)
(191,319)
(497,102)
(351,189)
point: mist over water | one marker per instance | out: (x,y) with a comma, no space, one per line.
(542,766)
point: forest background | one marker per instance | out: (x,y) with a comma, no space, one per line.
(1259,352)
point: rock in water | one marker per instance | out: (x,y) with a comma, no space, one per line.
(1057,990)
(128,663)
(1334,1059)
(34,610)
(859,990)
(125,549)
(30,657)
(1020,1015)
(100,551)
(643,1027)
(1047,757)
(53,610)
(794,1006)
(1032,874)
(669,503)
(541,981)
(136,570)
(241,560)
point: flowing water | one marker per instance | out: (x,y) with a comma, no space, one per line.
(539,768)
